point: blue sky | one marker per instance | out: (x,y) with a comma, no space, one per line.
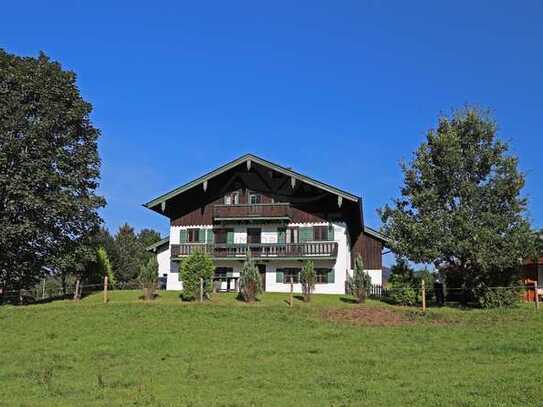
(338,90)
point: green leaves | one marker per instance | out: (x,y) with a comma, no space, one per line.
(49,166)
(461,203)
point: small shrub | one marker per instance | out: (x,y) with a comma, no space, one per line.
(198,265)
(503,297)
(249,280)
(148,277)
(402,294)
(360,282)
(308,278)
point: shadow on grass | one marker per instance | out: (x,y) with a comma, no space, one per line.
(347,300)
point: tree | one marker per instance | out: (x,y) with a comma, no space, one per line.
(126,256)
(198,265)
(461,206)
(401,272)
(49,166)
(308,278)
(148,276)
(99,268)
(249,280)
(360,282)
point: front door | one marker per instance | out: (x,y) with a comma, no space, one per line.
(262,272)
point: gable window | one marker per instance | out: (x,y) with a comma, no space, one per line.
(285,274)
(254,198)
(232,198)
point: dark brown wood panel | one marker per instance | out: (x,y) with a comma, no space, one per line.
(371,251)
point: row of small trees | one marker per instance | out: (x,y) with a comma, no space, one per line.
(197,275)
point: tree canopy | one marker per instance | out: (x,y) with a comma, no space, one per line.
(461,206)
(49,166)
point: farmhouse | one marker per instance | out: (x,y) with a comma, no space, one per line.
(278,215)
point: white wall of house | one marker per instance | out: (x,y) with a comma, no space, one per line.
(341,265)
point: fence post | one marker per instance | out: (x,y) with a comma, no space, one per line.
(423,295)
(536,297)
(291,292)
(43,290)
(201,290)
(105,289)
(76,293)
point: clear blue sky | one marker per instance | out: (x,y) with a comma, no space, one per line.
(338,90)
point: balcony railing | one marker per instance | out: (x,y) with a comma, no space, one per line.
(272,211)
(259,250)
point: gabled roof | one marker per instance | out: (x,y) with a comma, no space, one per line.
(251,158)
(376,234)
(156,245)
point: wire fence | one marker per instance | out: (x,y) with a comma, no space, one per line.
(438,292)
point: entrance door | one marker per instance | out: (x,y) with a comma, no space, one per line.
(262,272)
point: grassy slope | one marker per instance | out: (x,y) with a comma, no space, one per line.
(232,354)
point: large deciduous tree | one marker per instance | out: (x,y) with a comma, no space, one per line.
(461,206)
(49,166)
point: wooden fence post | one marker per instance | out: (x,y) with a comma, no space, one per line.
(423,296)
(201,290)
(76,293)
(291,292)
(105,289)
(536,297)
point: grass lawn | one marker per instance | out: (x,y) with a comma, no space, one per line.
(227,353)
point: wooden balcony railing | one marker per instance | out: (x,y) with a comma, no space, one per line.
(275,210)
(259,250)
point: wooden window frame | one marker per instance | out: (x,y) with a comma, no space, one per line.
(193,235)
(321,274)
(287,272)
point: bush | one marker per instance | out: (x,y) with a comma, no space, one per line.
(402,294)
(308,278)
(148,276)
(503,297)
(360,282)
(198,265)
(249,280)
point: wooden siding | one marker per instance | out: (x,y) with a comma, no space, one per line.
(371,251)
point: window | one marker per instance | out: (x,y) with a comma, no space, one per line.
(254,199)
(320,233)
(322,275)
(224,236)
(193,235)
(292,235)
(223,272)
(253,235)
(288,273)
(232,198)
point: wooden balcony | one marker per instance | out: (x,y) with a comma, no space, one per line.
(260,251)
(275,211)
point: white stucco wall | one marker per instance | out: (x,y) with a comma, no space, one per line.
(341,264)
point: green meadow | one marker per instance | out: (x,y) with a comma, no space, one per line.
(330,352)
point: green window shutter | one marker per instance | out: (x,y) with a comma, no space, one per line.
(210,235)
(230,237)
(331,276)
(183,236)
(305,234)
(281,235)
(331,232)
(201,236)
(278,276)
